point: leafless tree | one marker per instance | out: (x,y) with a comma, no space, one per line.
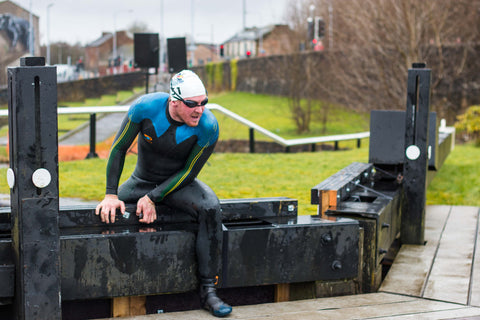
(62,52)
(300,76)
(374,42)
(138,27)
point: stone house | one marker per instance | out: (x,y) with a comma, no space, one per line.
(99,54)
(265,41)
(203,54)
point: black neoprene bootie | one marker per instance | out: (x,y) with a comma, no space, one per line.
(210,301)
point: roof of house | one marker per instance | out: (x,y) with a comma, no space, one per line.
(253,34)
(105,37)
(209,46)
(98,42)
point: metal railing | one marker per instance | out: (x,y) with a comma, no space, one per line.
(212,106)
(284,142)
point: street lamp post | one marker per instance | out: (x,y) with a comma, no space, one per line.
(115,36)
(161,64)
(192,45)
(48,33)
(30,34)
(115,32)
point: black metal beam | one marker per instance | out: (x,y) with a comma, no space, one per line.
(33,178)
(343,182)
(116,260)
(251,140)
(93,136)
(305,249)
(416,154)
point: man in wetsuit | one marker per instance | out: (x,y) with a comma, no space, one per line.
(176,136)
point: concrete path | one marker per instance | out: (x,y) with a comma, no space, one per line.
(106,126)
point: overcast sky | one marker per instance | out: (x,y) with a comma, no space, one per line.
(213,20)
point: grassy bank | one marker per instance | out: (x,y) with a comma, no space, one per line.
(287,175)
(273,114)
(457,182)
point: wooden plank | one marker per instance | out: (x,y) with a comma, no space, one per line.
(120,307)
(385,310)
(450,275)
(475,280)
(324,203)
(282,292)
(462,313)
(417,259)
(138,305)
(367,306)
(128,306)
(276,310)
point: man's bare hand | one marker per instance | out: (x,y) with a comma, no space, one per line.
(106,209)
(146,207)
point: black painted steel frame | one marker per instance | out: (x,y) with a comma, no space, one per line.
(415,168)
(32,105)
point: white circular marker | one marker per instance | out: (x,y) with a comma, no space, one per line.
(10,178)
(412,152)
(41,178)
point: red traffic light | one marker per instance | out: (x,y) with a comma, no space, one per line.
(249,53)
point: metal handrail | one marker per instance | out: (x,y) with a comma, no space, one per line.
(290,142)
(213,106)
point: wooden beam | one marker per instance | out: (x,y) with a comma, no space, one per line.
(128,306)
(282,292)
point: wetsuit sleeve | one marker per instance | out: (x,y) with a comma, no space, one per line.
(123,140)
(195,162)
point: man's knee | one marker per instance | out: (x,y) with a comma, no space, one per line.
(210,205)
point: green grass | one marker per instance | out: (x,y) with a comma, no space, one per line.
(276,175)
(285,175)
(271,175)
(272,113)
(457,182)
(231,175)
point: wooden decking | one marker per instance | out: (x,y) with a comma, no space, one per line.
(446,268)
(438,280)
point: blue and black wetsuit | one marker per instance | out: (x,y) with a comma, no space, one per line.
(170,156)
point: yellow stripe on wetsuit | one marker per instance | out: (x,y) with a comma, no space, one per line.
(124,132)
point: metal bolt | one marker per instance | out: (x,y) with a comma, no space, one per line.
(336,265)
(326,238)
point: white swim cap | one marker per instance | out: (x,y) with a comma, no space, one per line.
(186,84)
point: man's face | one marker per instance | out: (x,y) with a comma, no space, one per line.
(190,116)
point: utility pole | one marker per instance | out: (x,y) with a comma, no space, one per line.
(31,45)
(48,33)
